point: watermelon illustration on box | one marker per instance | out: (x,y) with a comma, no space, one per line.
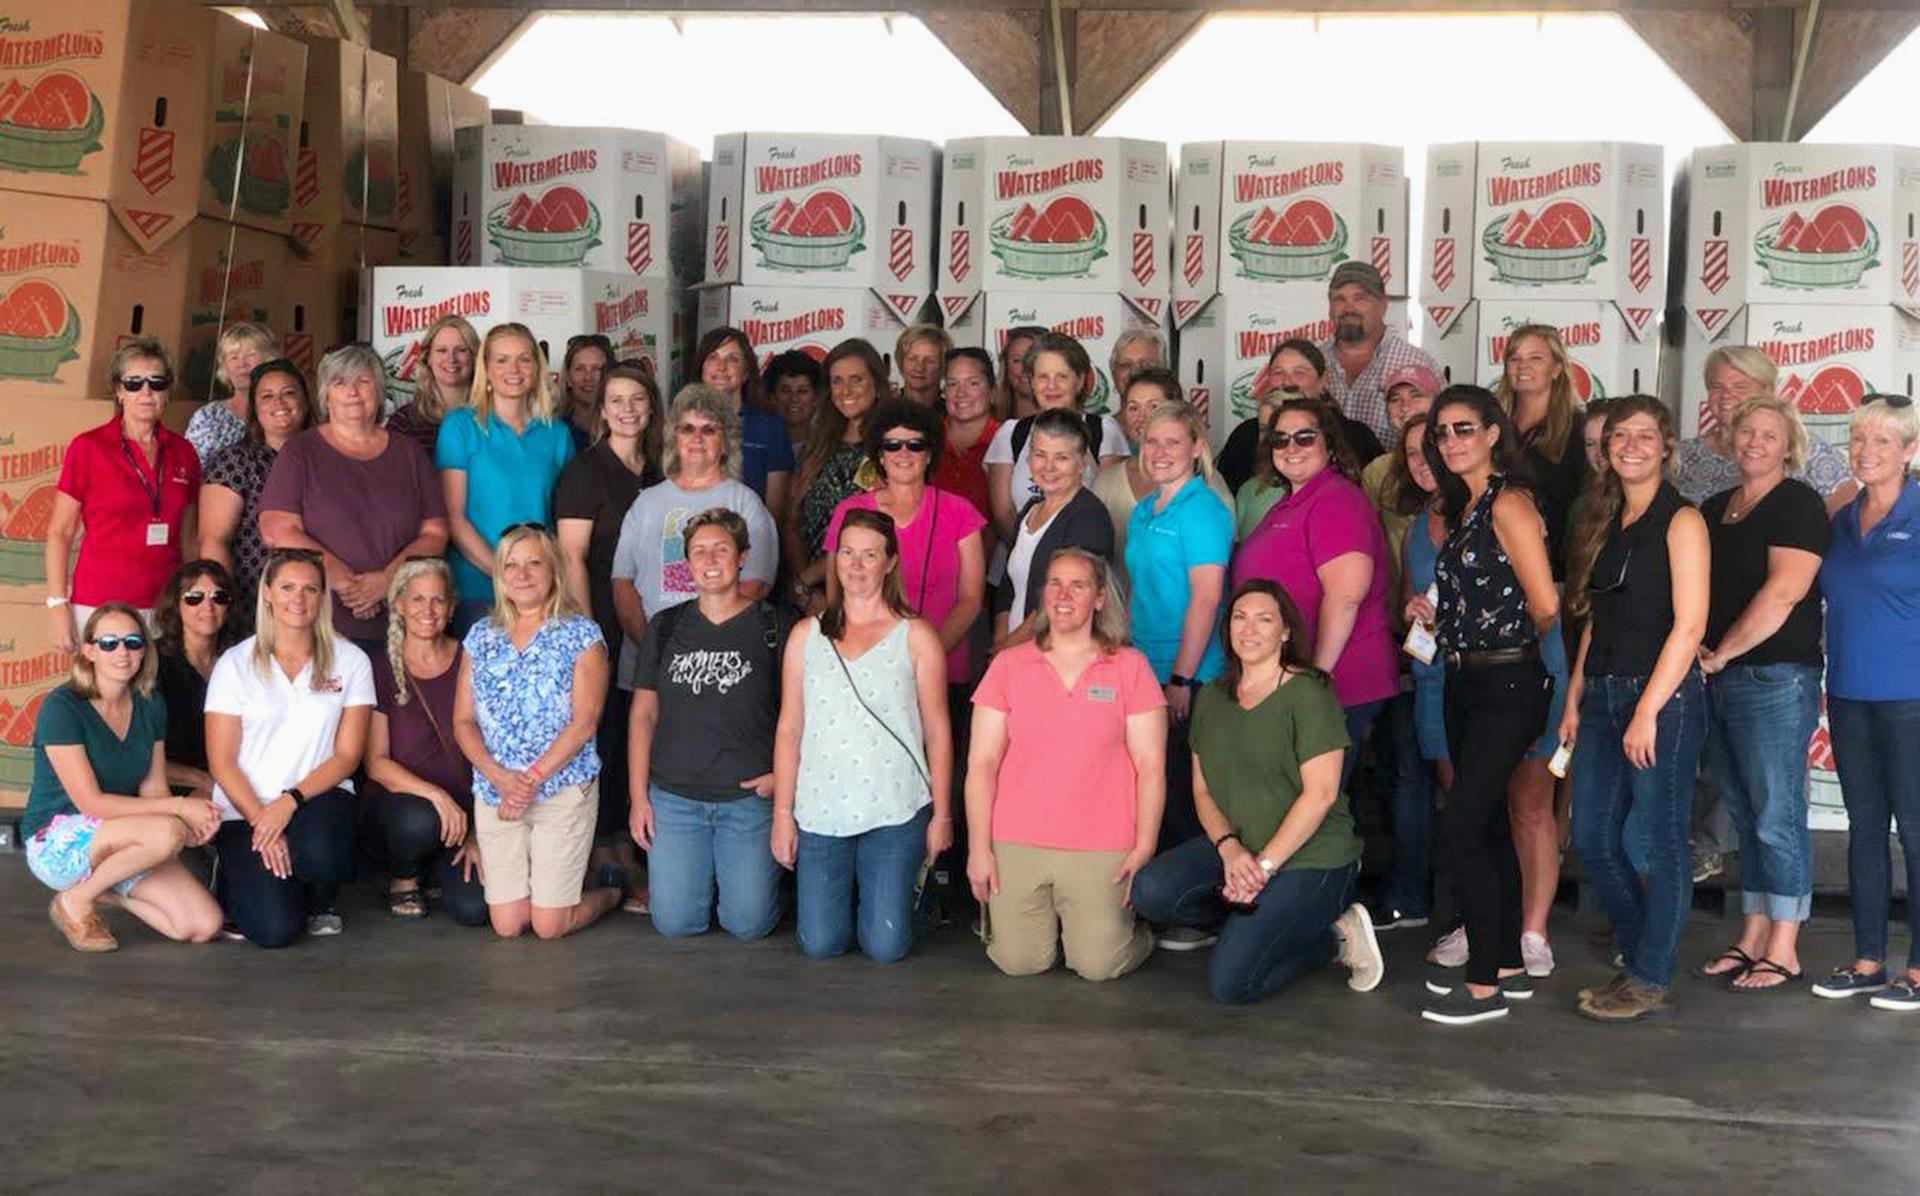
(1834,247)
(50,124)
(537,196)
(34,666)
(821,232)
(1276,217)
(259,183)
(1095,319)
(39,329)
(1827,399)
(1559,243)
(1060,241)
(248,173)
(34,435)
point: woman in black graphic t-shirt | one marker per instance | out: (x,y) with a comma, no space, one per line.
(706,700)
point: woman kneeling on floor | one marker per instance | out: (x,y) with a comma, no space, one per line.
(1279,854)
(1065,782)
(100,818)
(526,716)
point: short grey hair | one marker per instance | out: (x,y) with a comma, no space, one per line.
(1137,336)
(699,399)
(346,362)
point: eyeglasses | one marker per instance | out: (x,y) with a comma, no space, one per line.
(1305,438)
(157,383)
(196,597)
(916,445)
(1464,429)
(132,642)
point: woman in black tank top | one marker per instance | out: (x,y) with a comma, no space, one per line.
(1636,708)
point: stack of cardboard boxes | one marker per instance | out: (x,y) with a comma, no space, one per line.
(1569,234)
(812,238)
(1259,227)
(1067,233)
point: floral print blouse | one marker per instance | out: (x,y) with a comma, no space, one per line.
(1482,606)
(524,699)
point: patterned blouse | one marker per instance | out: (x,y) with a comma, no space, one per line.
(854,775)
(213,428)
(242,468)
(834,482)
(524,699)
(1482,605)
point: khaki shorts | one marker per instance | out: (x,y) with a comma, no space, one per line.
(1047,897)
(542,854)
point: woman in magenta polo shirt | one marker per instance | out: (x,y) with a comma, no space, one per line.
(127,485)
(1065,782)
(1323,544)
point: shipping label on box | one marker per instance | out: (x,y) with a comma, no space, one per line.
(800,209)
(429,110)
(1095,320)
(1801,224)
(399,303)
(259,90)
(1572,220)
(595,199)
(810,319)
(34,435)
(1605,358)
(1276,217)
(1079,214)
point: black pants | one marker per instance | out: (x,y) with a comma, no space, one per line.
(610,824)
(403,831)
(1494,714)
(1179,821)
(272,912)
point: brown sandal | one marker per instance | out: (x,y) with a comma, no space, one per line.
(87,934)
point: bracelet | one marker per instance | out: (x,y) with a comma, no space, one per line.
(1234,835)
(943,818)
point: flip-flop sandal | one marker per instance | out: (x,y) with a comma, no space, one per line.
(1746,964)
(1766,967)
(407,903)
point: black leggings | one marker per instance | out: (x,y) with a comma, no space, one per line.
(1494,714)
(404,831)
(272,912)
(610,823)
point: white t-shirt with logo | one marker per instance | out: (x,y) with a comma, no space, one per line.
(287,728)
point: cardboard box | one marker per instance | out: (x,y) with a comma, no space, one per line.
(1087,215)
(348,164)
(430,110)
(1800,224)
(1095,320)
(1608,360)
(646,318)
(233,273)
(806,209)
(419,249)
(151,106)
(318,304)
(540,196)
(1276,217)
(810,319)
(29,667)
(33,442)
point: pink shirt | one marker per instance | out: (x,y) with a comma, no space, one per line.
(1067,780)
(929,558)
(1324,519)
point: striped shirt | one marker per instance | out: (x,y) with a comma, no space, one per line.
(1365,396)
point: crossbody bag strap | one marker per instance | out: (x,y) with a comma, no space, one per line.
(872,714)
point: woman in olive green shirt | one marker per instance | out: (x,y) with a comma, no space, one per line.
(1273,871)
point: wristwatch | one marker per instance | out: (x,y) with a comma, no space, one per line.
(56,601)
(293,791)
(1268,866)
(1187,682)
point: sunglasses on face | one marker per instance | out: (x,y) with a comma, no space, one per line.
(915,445)
(132,642)
(1464,429)
(196,597)
(1305,438)
(157,383)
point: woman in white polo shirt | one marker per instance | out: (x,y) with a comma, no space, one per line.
(287,714)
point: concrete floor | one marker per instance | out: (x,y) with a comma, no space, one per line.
(425,1058)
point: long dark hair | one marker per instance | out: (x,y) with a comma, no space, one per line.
(1606,496)
(833,620)
(169,637)
(1402,495)
(1296,655)
(1506,451)
(1326,419)
(279,365)
(751,392)
(651,438)
(824,437)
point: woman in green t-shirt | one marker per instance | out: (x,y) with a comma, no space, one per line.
(1273,871)
(100,816)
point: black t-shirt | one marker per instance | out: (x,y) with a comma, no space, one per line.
(1555,484)
(719,691)
(184,691)
(1792,515)
(597,486)
(1240,455)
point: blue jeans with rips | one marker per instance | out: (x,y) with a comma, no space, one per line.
(860,886)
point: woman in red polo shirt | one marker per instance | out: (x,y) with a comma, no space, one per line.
(127,485)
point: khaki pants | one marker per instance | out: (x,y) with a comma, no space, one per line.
(1047,896)
(543,853)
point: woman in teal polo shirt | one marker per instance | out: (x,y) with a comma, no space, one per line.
(499,459)
(1178,543)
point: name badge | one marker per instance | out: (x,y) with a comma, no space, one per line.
(1102,693)
(157,535)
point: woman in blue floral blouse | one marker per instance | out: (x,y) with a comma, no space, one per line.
(531,685)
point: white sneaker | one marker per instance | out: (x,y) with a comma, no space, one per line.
(1359,949)
(1451,950)
(1185,938)
(1536,955)
(328,923)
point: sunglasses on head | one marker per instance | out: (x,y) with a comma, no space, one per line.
(133,641)
(196,597)
(528,526)
(157,383)
(916,445)
(1463,429)
(1305,438)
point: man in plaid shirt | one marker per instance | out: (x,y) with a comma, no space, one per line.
(1362,354)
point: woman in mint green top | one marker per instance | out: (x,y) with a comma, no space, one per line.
(99,813)
(1274,866)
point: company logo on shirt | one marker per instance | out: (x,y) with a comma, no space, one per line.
(702,670)
(332,685)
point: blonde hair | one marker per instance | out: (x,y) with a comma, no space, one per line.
(1187,416)
(80,674)
(240,334)
(1562,411)
(540,402)
(914,334)
(559,603)
(1744,360)
(264,632)
(1798,446)
(697,398)
(1111,625)
(409,571)
(426,390)
(1901,417)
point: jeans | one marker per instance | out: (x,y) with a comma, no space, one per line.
(1876,750)
(1288,933)
(1409,887)
(1647,920)
(404,831)
(860,885)
(1759,718)
(698,845)
(1494,714)
(272,912)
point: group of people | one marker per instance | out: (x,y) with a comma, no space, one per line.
(500,638)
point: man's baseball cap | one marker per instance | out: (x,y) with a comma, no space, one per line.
(1423,380)
(1361,274)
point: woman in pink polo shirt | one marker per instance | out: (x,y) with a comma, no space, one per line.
(1065,782)
(125,489)
(1323,544)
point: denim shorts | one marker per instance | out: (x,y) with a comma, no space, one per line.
(60,854)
